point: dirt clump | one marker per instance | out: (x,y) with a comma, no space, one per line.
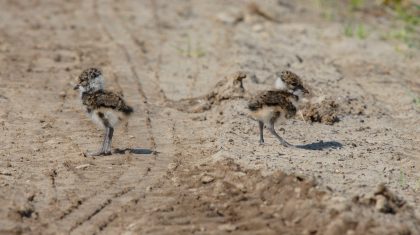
(325,112)
(329,110)
(230,87)
(383,200)
(265,13)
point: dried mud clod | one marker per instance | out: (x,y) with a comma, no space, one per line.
(383,200)
(232,16)
(230,87)
(266,13)
(254,10)
(325,112)
(329,110)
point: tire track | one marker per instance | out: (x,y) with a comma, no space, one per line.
(101,215)
(144,51)
(101,218)
(160,124)
(87,209)
(80,203)
(159,57)
(52,192)
(103,205)
(129,60)
(111,224)
(75,217)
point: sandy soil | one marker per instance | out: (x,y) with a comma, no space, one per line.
(196,165)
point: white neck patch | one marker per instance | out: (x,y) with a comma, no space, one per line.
(97,84)
(298,93)
(279,85)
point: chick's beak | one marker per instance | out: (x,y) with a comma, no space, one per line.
(76,87)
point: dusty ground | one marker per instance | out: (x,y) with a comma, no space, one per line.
(208,175)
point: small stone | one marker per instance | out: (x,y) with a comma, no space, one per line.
(227,227)
(82,166)
(46,126)
(382,204)
(58,58)
(231,17)
(207,179)
(258,28)
(172,166)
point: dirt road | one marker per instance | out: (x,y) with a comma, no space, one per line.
(202,170)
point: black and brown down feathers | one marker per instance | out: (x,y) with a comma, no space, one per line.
(88,74)
(292,79)
(105,99)
(274,98)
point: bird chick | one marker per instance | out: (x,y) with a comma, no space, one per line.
(267,107)
(105,108)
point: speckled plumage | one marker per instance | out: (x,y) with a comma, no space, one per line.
(267,107)
(292,80)
(89,74)
(105,99)
(274,98)
(106,108)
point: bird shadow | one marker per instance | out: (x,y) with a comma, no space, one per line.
(320,145)
(134,151)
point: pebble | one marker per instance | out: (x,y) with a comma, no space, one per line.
(227,227)
(207,179)
(82,166)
